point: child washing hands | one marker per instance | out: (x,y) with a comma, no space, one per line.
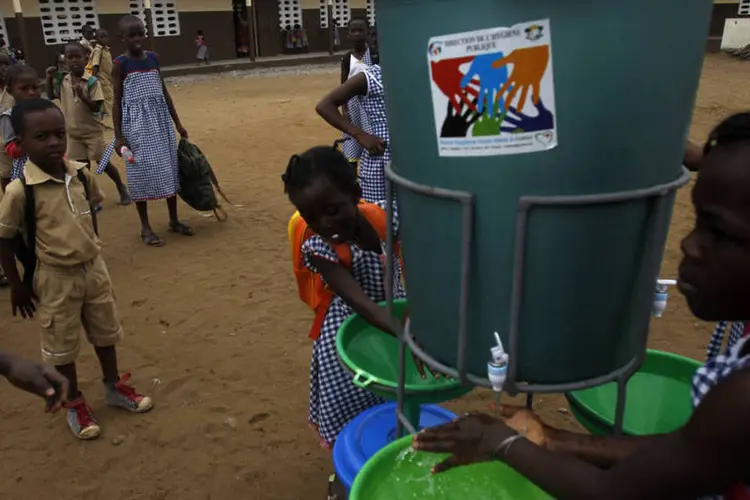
(323,186)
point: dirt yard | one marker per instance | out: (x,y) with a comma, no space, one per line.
(215,332)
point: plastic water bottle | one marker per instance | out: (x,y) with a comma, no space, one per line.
(127,154)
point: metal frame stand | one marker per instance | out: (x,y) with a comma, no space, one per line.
(650,268)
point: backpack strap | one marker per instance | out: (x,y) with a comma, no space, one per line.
(85,183)
(29,256)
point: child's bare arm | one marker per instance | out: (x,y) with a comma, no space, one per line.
(328,107)
(345,286)
(173,110)
(50,82)
(117,107)
(8,262)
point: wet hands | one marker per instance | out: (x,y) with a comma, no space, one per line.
(477,438)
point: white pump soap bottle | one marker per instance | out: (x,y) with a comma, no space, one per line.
(497,367)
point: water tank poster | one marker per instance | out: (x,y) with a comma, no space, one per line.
(493,90)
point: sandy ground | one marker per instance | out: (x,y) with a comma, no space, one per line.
(215,332)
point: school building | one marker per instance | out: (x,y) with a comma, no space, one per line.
(233,28)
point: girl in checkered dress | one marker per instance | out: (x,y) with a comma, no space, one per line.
(323,187)
(709,457)
(143,114)
(353,63)
(373,135)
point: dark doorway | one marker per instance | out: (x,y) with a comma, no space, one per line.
(241,28)
(267,24)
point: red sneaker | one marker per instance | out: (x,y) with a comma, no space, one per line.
(81,419)
(122,395)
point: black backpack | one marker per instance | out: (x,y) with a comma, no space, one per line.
(26,250)
(197,180)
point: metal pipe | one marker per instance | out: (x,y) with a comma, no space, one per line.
(389,249)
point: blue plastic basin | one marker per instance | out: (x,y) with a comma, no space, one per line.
(370,431)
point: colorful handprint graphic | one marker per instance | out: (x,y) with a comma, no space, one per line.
(490,79)
(448,77)
(529,65)
(544,120)
(493,90)
(489,123)
(457,124)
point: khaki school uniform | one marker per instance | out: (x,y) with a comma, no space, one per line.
(71,280)
(85,128)
(6,162)
(102,57)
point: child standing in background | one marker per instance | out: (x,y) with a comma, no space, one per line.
(101,68)
(6,103)
(373,135)
(71,281)
(82,99)
(200,42)
(353,63)
(6,163)
(23,84)
(143,114)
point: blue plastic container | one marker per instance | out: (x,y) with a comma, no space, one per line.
(370,431)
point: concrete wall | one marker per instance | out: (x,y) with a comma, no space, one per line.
(214,17)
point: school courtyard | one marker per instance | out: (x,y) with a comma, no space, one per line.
(215,331)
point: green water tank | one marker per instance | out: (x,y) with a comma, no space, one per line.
(599,97)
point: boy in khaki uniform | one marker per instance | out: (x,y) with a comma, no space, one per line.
(101,68)
(71,282)
(82,99)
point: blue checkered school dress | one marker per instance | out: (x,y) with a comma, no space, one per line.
(334,399)
(375,122)
(720,366)
(147,128)
(17,170)
(352,149)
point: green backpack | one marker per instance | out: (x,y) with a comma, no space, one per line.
(198,181)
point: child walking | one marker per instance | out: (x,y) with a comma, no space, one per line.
(373,133)
(101,68)
(71,281)
(143,114)
(82,100)
(200,42)
(354,62)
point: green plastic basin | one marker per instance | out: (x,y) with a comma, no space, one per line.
(371,355)
(658,398)
(399,472)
